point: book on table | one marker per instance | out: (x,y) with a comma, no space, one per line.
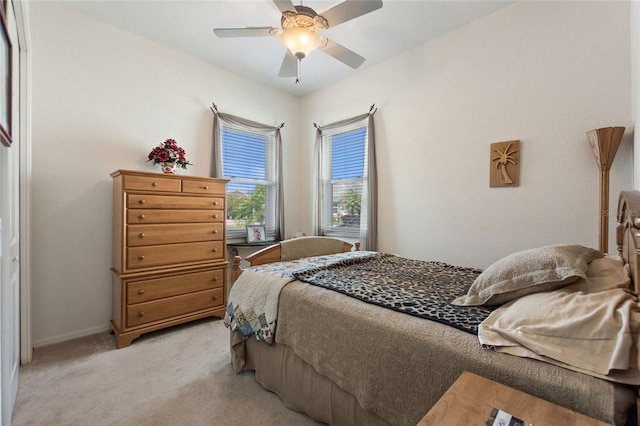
(502,418)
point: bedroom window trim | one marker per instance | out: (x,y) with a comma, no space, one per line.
(225,128)
(326,209)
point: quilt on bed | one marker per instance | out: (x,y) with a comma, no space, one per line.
(253,299)
(415,287)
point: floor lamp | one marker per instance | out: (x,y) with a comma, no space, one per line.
(604,143)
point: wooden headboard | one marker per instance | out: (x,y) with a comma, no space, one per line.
(307,246)
(628,233)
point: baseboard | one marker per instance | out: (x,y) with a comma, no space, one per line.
(64,337)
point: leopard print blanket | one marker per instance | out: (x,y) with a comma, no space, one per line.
(415,287)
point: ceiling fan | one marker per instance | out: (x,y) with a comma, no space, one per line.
(300,32)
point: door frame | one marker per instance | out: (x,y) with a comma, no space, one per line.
(21,10)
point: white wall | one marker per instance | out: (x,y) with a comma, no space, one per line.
(541,72)
(102,98)
(535,71)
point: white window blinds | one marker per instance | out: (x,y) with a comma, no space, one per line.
(342,174)
(249,162)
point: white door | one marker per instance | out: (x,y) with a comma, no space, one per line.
(10,277)
(10,242)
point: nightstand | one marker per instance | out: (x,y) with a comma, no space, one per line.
(469,401)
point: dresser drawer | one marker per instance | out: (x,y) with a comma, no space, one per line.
(148,183)
(203,187)
(172,254)
(146,235)
(171,307)
(159,288)
(136,216)
(146,201)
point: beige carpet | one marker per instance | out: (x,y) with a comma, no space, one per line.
(178,376)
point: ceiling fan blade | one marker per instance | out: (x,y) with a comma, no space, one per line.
(244,32)
(343,54)
(284,5)
(349,9)
(289,67)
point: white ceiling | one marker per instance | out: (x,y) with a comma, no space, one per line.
(188,25)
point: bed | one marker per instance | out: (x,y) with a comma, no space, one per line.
(343,361)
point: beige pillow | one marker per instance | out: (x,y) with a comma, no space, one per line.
(603,274)
(529,271)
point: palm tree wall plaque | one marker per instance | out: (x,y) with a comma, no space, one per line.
(505,164)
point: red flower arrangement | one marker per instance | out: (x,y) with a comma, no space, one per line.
(169,152)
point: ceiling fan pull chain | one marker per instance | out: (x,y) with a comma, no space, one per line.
(299,71)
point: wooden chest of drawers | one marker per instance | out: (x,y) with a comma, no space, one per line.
(169,251)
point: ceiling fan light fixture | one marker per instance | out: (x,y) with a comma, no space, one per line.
(301,41)
(300,32)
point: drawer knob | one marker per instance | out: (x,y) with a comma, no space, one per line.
(215,203)
(214,297)
(215,216)
(205,187)
(154,184)
(141,291)
(215,279)
(142,201)
(215,231)
(215,250)
(140,314)
(141,235)
(141,257)
(141,217)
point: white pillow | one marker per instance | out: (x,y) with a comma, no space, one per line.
(591,326)
(529,271)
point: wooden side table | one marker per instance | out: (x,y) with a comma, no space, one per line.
(469,401)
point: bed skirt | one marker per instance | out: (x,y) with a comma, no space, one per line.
(301,388)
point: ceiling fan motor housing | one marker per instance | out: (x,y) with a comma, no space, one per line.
(303,17)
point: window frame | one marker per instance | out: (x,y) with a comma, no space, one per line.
(328,183)
(270,182)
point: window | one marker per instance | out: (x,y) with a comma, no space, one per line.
(346,190)
(342,177)
(249,161)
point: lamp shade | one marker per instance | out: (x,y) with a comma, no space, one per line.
(604,144)
(300,41)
